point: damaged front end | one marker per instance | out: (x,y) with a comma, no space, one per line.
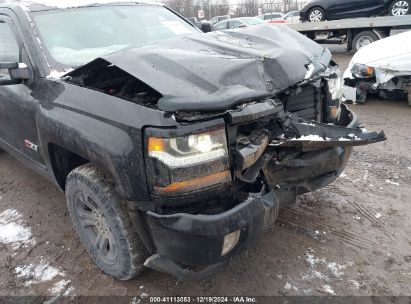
(382,68)
(361,79)
(266,152)
(257,120)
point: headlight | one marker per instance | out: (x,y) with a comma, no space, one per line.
(362,71)
(333,101)
(335,86)
(184,164)
(188,150)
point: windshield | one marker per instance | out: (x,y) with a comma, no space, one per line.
(252,21)
(292,14)
(76,36)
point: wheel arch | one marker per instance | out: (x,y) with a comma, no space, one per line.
(62,162)
(379,33)
(71,140)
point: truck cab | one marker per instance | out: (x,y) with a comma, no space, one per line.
(175,148)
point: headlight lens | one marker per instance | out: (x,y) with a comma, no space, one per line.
(335,86)
(362,71)
(189,150)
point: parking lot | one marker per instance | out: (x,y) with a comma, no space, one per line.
(350,238)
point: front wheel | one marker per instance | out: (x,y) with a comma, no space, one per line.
(316,14)
(400,7)
(103,224)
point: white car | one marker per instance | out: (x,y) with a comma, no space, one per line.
(274,17)
(292,17)
(240,22)
(382,67)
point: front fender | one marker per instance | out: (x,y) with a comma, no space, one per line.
(105,130)
(107,146)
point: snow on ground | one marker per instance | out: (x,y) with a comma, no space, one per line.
(69,291)
(12,230)
(354,284)
(15,233)
(327,289)
(287,286)
(42,272)
(59,286)
(336,269)
(324,270)
(391,182)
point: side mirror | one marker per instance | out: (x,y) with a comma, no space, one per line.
(13,73)
(206,26)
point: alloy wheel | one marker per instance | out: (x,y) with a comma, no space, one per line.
(96,228)
(316,16)
(400,8)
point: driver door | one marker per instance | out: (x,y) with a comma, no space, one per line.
(359,8)
(332,8)
(18,128)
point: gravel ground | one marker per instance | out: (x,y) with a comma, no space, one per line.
(350,238)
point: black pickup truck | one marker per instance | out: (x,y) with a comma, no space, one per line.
(175,148)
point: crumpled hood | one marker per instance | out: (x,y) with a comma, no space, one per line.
(392,53)
(390,57)
(210,71)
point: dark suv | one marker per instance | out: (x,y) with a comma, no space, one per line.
(319,10)
(175,148)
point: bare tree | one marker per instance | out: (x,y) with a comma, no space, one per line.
(222,7)
(184,7)
(248,8)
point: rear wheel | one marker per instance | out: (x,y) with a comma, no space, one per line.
(400,7)
(363,39)
(103,224)
(316,14)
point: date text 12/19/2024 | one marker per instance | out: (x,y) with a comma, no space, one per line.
(203,299)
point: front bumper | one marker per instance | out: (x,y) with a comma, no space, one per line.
(185,241)
(197,240)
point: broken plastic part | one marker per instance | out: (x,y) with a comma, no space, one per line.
(314,136)
(166,265)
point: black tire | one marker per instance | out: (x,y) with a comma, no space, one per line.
(316,14)
(400,8)
(363,38)
(103,224)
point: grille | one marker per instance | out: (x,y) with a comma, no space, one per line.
(306,103)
